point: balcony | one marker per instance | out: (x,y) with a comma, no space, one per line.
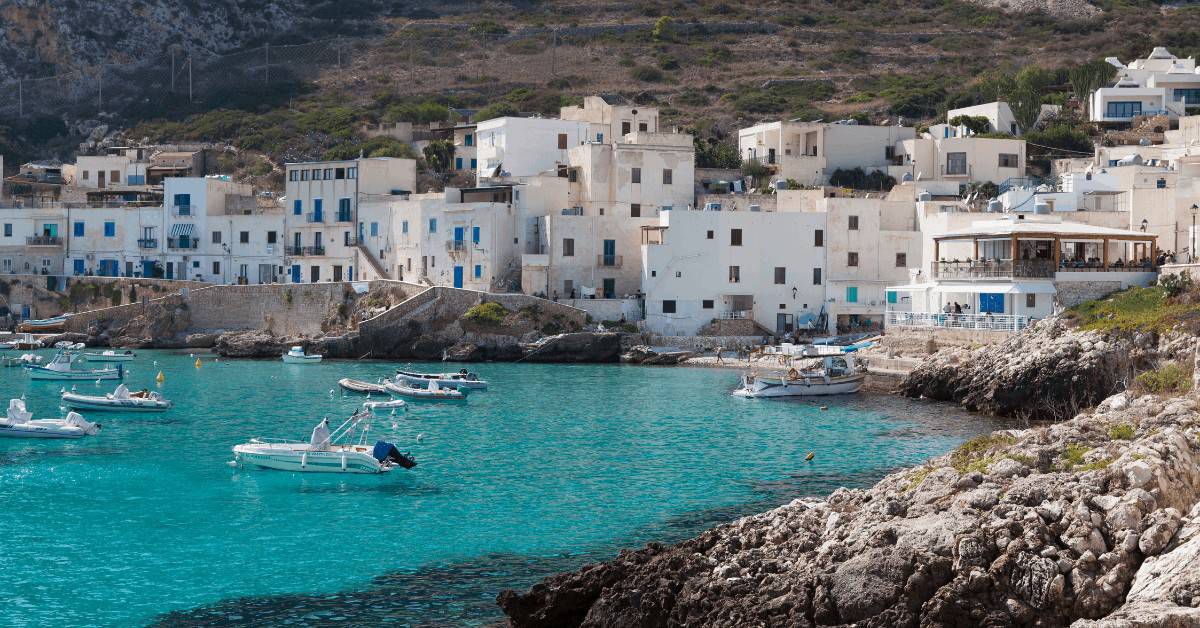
(183,243)
(147,243)
(344,216)
(456,246)
(43,240)
(956,170)
(314,250)
(315,217)
(1003,269)
(181,210)
(608,261)
(301,251)
(937,320)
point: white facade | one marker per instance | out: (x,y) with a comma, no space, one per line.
(999,116)
(120,169)
(1161,84)
(31,240)
(525,147)
(960,160)
(809,152)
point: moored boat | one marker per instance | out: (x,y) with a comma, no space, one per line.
(326,452)
(296,355)
(44,325)
(119,400)
(24,359)
(61,368)
(390,404)
(433,392)
(109,355)
(359,386)
(24,342)
(461,379)
(19,423)
(834,375)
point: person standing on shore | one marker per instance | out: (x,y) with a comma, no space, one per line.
(719,350)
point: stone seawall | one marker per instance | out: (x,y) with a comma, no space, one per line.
(51,295)
(282,309)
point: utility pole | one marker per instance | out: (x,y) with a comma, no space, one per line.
(189,62)
(338,46)
(267,66)
(100,93)
(172,71)
(20,99)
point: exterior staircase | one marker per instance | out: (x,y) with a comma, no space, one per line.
(375,265)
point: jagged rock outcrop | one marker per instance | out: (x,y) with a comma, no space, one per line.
(576,347)
(157,325)
(1040,527)
(641,354)
(1049,372)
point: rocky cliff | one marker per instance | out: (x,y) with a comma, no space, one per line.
(1092,519)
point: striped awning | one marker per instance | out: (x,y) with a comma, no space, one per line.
(182,229)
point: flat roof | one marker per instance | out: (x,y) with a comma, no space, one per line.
(998,228)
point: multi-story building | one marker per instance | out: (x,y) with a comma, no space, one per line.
(957,161)
(999,116)
(31,240)
(810,152)
(524,147)
(1160,84)
(321,206)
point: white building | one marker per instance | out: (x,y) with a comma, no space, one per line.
(956,161)
(810,152)
(321,206)
(1161,84)
(525,147)
(31,240)
(999,115)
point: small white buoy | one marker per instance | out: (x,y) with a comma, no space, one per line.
(420,437)
(232,463)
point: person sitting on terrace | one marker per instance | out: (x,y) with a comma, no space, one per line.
(1118,263)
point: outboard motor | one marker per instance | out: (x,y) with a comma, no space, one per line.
(385,451)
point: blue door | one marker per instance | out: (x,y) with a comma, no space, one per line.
(295,273)
(993,303)
(25,311)
(458,276)
(170,270)
(77,266)
(610,252)
(350,273)
(109,268)
(147,268)
(458,234)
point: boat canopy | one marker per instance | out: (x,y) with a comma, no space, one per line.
(122,392)
(320,437)
(16,411)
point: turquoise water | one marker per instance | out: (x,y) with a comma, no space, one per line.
(555,465)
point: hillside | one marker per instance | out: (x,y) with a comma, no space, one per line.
(296,78)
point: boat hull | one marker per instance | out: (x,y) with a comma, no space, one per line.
(301,359)
(442,382)
(87,402)
(359,386)
(97,357)
(22,431)
(421,394)
(37,372)
(303,461)
(814,387)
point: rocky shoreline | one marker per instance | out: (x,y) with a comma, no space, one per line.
(1091,522)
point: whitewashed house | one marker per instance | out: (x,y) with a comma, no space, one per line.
(810,152)
(1160,84)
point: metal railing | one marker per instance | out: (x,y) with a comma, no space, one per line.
(609,261)
(181,210)
(43,240)
(182,243)
(314,250)
(315,217)
(938,320)
(736,315)
(947,171)
(456,246)
(147,243)
(1030,269)
(344,216)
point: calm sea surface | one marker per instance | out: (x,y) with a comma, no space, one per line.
(554,466)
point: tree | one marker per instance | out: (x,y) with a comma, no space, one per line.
(977,124)
(1089,77)
(713,153)
(664,29)
(1024,95)
(439,155)
(496,110)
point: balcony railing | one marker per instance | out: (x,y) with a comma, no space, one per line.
(736,315)
(456,246)
(1029,269)
(181,210)
(43,240)
(315,216)
(608,261)
(936,320)
(148,243)
(314,250)
(956,170)
(183,243)
(301,251)
(344,216)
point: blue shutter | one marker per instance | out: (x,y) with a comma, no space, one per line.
(297,207)
(79,230)
(475,236)
(478,271)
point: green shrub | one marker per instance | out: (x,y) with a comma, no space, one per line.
(1121,431)
(1135,309)
(487,313)
(976,454)
(496,110)
(646,74)
(1176,284)
(1171,377)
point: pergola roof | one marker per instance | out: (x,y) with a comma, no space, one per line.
(1061,230)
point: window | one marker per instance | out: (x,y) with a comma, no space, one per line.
(625,128)
(707,304)
(339,173)
(374,229)
(956,163)
(568,247)
(667,176)
(433,225)
(316,174)
(244,237)
(77,230)
(735,237)
(1008,160)
(562,141)
(183,204)
(329,174)
(404,228)
(710,234)
(642,126)
(851,294)
(345,238)
(478,271)
(352,172)
(1031,300)
(110,229)
(819,237)
(317,213)
(458,163)
(735,274)
(1161,184)
(271,237)
(902,260)
(635,175)
(669,307)
(343,210)
(304,175)
(780,275)
(816,276)
(85,175)
(469,140)
(635,210)
(1189,95)
(297,207)
(1121,109)
(852,259)
(293,175)
(572,175)
(474,163)
(853,223)
(599,138)
(8,229)
(216,268)
(216,237)
(891,296)
(114,176)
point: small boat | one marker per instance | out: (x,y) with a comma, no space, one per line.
(391,404)
(433,392)
(25,342)
(44,325)
(297,356)
(835,375)
(326,452)
(77,346)
(63,344)
(60,368)
(461,379)
(25,358)
(120,399)
(19,423)
(108,355)
(359,386)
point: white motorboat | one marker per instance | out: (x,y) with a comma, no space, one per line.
(19,423)
(831,375)
(22,360)
(24,342)
(61,368)
(461,379)
(390,404)
(326,452)
(359,386)
(432,392)
(119,400)
(296,355)
(109,355)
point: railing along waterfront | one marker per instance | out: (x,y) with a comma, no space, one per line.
(1030,269)
(938,320)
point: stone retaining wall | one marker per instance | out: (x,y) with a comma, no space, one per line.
(917,341)
(704,343)
(1072,293)
(46,295)
(283,309)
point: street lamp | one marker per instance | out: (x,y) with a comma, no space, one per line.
(794,291)
(1145,223)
